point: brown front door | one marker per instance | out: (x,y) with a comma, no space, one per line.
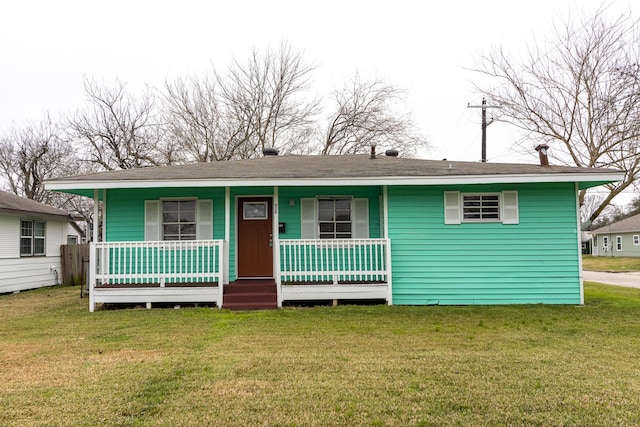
(255,243)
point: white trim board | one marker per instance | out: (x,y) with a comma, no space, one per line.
(297,182)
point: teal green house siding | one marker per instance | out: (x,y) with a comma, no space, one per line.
(125,210)
(534,261)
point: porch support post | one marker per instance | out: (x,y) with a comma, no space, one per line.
(276,244)
(96,215)
(385,210)
(93,254)
(227,231)
(579,235)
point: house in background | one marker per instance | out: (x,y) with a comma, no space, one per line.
(620,239)
(268,231)
(30,237)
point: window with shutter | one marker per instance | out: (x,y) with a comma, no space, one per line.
(481,207)
(334,218)
(187,219)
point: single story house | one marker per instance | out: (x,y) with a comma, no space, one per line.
(620,239)
(31,234)
(408,231)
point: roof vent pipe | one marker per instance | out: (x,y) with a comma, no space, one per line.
(269,152)
(542,151)
(373,151)
(391,153)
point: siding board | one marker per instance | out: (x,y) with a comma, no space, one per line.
(534,261)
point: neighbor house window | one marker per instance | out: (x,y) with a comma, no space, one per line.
(636,240)
(605,243)
(72,240)
(480,207)
(179,219)
(618,243)
(334,218)
(32,238)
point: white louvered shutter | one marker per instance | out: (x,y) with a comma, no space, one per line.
(204,228)
(309,228)
(152,221)
(360,221)
(510,207)
(452,211)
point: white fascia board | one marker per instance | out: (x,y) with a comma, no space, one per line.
(335,182)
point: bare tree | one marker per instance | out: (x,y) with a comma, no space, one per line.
(590,203)
(118,131)
(264,101)
(193,119)
(578,93)
(364,115)
(33,153)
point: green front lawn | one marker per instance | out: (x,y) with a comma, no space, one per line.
(348,365)
(602,263)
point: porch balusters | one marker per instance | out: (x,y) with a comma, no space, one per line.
(335,261)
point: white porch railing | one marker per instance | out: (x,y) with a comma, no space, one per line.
(335,261)
(156,264)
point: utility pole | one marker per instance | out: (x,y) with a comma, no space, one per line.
(484,125)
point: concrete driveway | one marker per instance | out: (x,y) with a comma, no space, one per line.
(631,279)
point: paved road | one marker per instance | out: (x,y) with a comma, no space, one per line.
(631,279)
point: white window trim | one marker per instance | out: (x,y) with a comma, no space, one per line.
(618,243)
(34,238)
(636,240)
(605,243)
(508,207)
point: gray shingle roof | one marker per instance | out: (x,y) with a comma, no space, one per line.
(625,225)
(319,167)
(15,204)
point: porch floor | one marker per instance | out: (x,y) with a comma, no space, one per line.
(250,294)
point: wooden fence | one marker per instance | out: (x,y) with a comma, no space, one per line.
(75,264)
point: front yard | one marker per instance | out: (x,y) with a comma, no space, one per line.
(346,365)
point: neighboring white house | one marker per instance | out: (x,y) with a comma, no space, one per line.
(31,234)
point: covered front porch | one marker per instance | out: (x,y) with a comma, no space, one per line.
(197,271)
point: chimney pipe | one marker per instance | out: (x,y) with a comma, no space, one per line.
(542,151)
(373,151)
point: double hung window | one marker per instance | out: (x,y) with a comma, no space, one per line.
(334,218)
(179,219)
(32,238)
